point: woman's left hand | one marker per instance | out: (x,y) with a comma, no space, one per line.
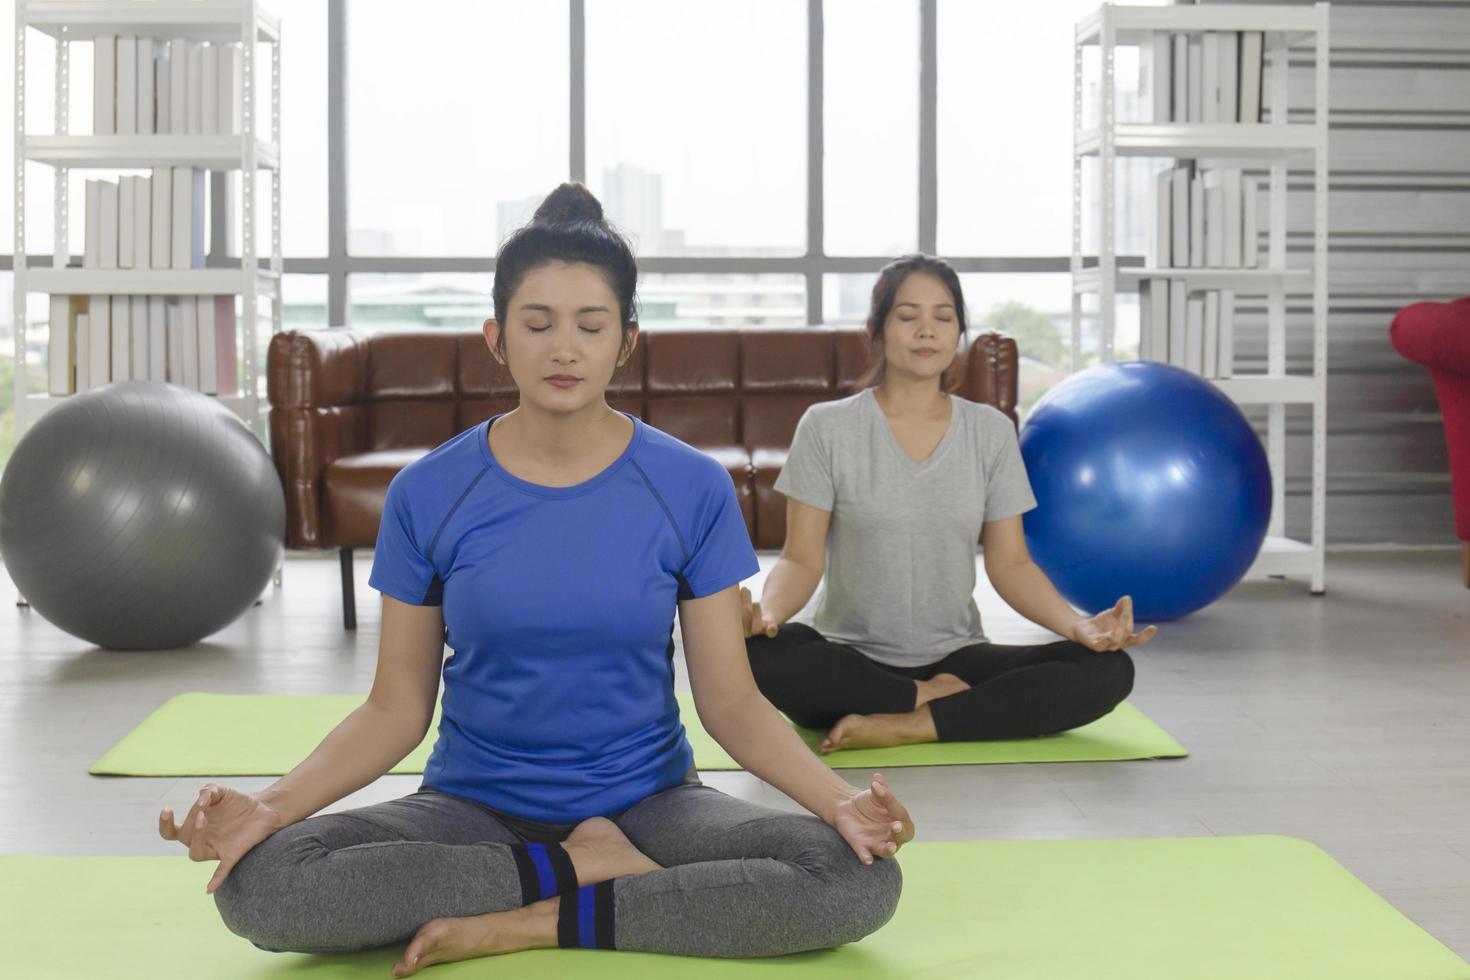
(1111,629)
(873,822)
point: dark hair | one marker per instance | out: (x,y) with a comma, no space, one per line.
(567,227)
(890,278)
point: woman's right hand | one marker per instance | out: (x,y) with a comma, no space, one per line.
(755,622)
(222,825)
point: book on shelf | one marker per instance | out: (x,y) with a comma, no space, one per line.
(178,81)
(195,89)
(125,91)
(104,79)
(83,358)
(187,247)
(1250,243)
(1179,103)
(1228,92)
(161,194)
(189,332)
(107,226)
(121,333)
(227,366)
(92,213)
(174,341)
(1230,203)
(1153,319)
(138,337)
(99,341)
(1211,353)
(1179,216)
(147,77)
(1196,220)
(61,364)
(142,222)
(157,339)
(1196,81)
(1210,77)
(1225,361)
(1251,72)
(1163,229)
(1194,333)
(163,87)
(127,236)
(209,89)
(1161,82)
(1214,219)
(1178,304)
(208,357)
(231,96)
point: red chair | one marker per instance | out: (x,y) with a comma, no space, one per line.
(1437,335)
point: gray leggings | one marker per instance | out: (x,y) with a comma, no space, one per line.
(738,879)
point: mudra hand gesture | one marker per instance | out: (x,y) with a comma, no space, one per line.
(222,825)
(874,823)
(1111,629)
(756,622)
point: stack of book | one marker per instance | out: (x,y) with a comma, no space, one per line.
(1194,331)
(1205,219)
(154,222)
(142,86)
(184,340)
(1206,77)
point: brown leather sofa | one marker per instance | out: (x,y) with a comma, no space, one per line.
(349,410)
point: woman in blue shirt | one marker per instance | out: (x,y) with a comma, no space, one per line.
(549,548)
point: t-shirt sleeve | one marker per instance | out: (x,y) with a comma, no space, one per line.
(807,475)
(1007,490)
(720,552)
(400,568)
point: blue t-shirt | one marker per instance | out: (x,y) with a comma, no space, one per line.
(559,606)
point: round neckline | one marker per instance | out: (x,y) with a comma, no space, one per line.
(940,448)
(540,489)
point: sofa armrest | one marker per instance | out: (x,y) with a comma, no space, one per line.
(989,374)
(1436,335)
(317,383)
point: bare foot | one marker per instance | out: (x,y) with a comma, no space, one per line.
(449,940)
(880,731)
(600,852)
(936,687)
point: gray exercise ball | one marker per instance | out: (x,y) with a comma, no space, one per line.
(140,516)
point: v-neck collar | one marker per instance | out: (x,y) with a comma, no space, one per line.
(907,461)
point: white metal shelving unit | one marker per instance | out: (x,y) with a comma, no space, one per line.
(66,21)
(1275,143)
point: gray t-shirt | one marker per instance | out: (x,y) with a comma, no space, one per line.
(900,577)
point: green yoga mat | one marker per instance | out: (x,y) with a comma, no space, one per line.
(1225,908)
(268,734)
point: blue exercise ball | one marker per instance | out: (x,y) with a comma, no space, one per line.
(141,516)
(1149,482)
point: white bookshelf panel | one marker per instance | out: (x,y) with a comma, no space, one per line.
(207,152)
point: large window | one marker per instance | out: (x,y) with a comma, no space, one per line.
(944,126)
(696,123)
(456,122)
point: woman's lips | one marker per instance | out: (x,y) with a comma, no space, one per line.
(562,381)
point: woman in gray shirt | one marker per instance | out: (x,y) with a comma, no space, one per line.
(887,492)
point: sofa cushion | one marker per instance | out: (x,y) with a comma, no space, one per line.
(736,460)
(353,490)
(770,506)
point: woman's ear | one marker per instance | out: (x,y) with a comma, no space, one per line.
(491,329)
(630,343)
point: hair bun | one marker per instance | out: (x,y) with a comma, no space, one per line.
(569,203)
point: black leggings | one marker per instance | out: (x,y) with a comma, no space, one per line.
(1015,691)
